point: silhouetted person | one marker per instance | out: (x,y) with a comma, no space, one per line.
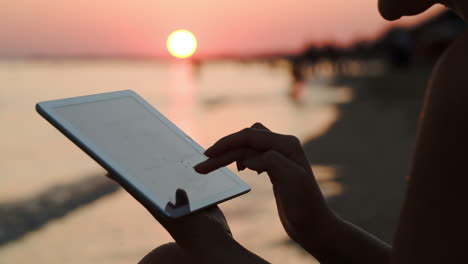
(433,225)
(298,79)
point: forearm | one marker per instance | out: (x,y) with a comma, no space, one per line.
(347,243)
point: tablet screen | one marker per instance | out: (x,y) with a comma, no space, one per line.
(157,159)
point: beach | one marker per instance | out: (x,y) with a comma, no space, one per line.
(357,132)
(371,146)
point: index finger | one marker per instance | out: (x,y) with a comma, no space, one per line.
(222,145)
(259,140)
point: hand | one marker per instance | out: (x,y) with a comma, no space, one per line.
(206,236)
(202,231)
(301,206)
(199,233)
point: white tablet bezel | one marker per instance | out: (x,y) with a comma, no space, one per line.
(47,110)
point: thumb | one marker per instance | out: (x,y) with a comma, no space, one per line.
(181,198)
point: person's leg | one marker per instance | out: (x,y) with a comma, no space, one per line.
(167,253)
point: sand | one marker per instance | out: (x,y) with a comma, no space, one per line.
(370,146)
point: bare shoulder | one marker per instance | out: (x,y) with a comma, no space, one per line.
(431,220)
(449,79)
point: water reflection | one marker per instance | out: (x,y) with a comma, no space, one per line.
(181,95)
(326,178)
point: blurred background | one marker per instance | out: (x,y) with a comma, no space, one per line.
(347,83)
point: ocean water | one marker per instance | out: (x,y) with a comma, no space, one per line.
(207,101)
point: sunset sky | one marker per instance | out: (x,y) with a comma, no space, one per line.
(140,27)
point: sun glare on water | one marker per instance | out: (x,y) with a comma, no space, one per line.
(181,43)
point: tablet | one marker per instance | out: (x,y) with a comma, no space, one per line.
(144,151)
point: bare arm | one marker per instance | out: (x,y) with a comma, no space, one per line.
(225,252)
(301,206)
(347,243)
(434,225)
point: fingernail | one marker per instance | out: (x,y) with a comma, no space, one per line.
(207,152)
(200,169)
(197,167)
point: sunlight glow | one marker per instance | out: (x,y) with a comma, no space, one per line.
(181,43)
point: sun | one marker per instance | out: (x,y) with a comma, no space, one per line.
(181,43)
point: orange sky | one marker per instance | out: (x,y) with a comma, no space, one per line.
(140,27)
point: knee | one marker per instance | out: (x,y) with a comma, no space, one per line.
(167,253)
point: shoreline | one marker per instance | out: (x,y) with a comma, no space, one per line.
(370,146)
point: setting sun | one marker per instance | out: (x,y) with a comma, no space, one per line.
(181,43)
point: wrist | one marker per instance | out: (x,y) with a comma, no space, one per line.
(214,251)
(321,233)
(230,252)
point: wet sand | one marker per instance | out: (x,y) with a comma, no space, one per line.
(370,146)
(19,217)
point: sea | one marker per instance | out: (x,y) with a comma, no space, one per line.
(207,100)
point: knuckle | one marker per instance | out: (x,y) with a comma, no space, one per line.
(221,140)
(246,130)
(293,140)
(248,133)
(258,124)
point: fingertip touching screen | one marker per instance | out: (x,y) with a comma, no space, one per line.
(151,155)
